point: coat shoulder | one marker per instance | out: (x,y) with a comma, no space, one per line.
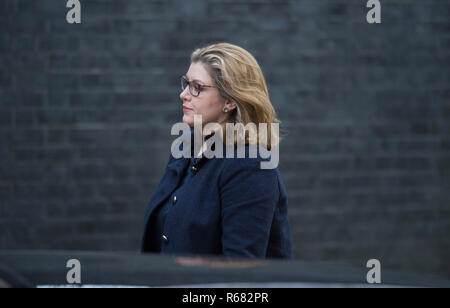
(248,169)
(254,161)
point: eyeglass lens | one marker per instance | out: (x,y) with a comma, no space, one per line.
(192,87)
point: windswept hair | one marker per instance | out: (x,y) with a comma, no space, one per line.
(238,77)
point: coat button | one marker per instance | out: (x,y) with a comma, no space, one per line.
(174,199)
(194,168)
(165,239)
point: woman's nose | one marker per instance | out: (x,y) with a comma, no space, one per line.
(184,95)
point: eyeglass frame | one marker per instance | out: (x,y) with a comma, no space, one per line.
(189,84)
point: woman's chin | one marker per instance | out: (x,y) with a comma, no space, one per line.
(188,120)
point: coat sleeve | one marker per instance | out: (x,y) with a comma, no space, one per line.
(249,197)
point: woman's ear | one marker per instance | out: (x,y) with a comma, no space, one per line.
(230,104)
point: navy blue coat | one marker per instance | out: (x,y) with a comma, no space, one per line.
(230,207)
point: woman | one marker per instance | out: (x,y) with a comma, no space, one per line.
(221,206)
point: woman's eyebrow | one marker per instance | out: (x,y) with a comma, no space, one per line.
(194,79)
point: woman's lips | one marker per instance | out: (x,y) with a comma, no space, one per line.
(186,109)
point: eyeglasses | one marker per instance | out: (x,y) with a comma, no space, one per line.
(194,87)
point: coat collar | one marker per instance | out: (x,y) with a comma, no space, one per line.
(179,164)
(173,176)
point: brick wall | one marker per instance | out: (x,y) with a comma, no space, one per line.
(86,111)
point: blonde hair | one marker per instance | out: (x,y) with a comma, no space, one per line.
(239,78)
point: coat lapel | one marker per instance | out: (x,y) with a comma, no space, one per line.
(170,180)
(168,183)
(172,177)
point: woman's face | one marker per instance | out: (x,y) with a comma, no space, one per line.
(209,104)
